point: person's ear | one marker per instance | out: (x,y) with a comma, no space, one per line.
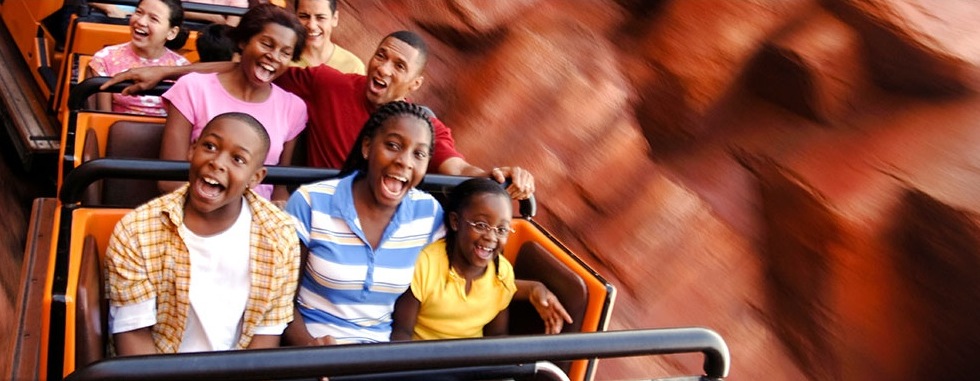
(365,147)
(453,221)
(257,177)
(336,18)
(190,151)
(172,33)
(416,83)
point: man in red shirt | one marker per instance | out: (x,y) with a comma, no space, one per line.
(339,104)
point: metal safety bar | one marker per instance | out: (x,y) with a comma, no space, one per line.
(83,90)
(541,370)
(188,7)
(341,360)
(98,169)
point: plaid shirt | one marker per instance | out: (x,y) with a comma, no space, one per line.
(147,258)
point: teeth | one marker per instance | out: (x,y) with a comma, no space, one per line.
(485,248)
(399,178)
(268,67)
(211,181)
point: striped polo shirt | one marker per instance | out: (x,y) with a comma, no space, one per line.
(348,289)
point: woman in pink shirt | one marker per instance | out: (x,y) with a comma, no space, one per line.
(152,24)
(267,38)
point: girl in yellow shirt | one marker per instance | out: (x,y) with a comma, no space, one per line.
(462,286)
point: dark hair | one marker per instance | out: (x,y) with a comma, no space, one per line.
(249,121)
(459,199)
(176,12)
(176,20)
(333,5)
(355,160)
(214,45)
(415,41)
(258,17)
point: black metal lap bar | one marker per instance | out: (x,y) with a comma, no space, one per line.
(340,360)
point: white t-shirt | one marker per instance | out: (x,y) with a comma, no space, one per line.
(219,286)
(218,291)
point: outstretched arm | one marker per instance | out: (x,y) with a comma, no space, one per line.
(546,303)
(522,181)
(144,78)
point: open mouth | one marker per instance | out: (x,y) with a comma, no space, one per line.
(394,186)
(265,72)
(378,85)
(141,32)
(484,252)
(209,188)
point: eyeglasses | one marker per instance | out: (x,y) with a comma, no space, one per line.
(483,228)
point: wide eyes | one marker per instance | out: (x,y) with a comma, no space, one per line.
(484,228)
(211,147)
(419,154)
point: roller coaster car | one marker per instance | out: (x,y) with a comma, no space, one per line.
(88,134)
(62,323)
(44,47)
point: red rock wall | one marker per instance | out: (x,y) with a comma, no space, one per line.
(799,175)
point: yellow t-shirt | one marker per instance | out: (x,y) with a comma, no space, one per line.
(341,59)
(446,311)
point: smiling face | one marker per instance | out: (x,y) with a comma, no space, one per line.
(474,249)
(393,72)
(224,161)
(267,54)
(397,157)
(149,28)
(319,21)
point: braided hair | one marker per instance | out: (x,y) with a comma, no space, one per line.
(459,199)
(355,160)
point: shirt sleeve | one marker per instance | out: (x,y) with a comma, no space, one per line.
(133,316)
(298,208)
(298,81)
(421,276)
(180,95)
(98,63)
(284,292)
(438,227)
(298,117)
(445,148)
(127,277)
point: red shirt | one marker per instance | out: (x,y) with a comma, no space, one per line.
(338,109)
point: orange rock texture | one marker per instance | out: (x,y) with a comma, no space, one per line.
(799,175)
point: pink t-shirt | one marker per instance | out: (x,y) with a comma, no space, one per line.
(200,97)
(115,59)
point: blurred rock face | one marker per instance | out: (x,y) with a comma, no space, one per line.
(799,175)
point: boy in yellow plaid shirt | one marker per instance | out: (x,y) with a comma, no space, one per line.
(210,266)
